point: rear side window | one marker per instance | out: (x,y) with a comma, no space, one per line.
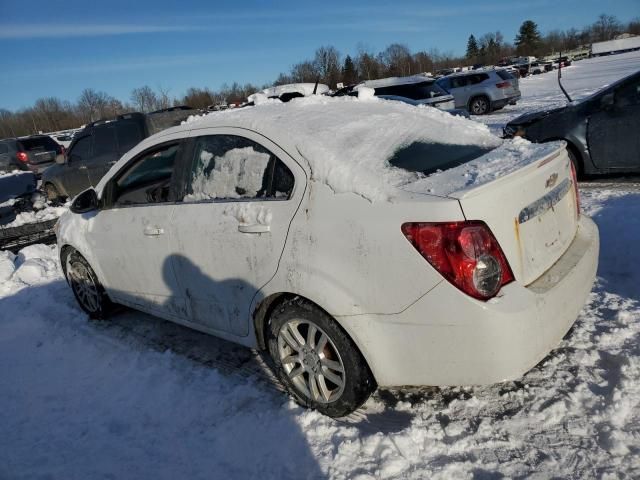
(4,148)
(81,149)
(104,141)
(129,135)
(427,158)
(229,167)
(41,144)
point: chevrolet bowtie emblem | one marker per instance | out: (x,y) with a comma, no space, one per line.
(551,181)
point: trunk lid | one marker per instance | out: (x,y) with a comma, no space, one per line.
(528,203)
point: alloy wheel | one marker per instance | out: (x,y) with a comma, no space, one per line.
(83,285)
(311,361)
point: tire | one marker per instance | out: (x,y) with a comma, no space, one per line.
(86,287)
(576,162)
(53,195)
(317,352)
(479,105)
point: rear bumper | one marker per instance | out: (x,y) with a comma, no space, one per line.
(448,338)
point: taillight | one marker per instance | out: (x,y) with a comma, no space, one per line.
(503,84)
(22,157)
(465,253)
(574,177)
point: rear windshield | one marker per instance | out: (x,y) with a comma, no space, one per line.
(38,143)
(504,75)
(428,158)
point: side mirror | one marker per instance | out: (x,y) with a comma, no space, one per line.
(85,202)
(607,101)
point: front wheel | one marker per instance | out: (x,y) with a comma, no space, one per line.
(479,106)
(86,287)
(316,360)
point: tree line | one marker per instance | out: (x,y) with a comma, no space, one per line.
(327,66)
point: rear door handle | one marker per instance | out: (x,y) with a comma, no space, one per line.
(254,228)
(153,231)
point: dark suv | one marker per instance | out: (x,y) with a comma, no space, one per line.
(34,153)
(100,144)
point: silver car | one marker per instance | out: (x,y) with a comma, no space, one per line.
(482,91)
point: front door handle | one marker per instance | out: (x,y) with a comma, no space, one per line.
(153,231)
(254,228)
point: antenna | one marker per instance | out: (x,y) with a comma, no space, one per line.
(315,88)
(560,76)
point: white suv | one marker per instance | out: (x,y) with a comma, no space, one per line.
(361,243)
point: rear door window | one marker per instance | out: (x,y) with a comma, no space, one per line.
(457,82)
(427,158)
(129,135)
(104,140)
(230,167)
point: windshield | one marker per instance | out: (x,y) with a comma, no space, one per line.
(428,158)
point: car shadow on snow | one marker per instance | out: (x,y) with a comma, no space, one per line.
(129,397)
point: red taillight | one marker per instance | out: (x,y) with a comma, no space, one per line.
(503,84)
(574,177)
(465,253)
(22,157)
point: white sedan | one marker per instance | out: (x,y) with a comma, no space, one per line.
(361,242)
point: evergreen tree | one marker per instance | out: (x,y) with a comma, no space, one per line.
(472,47)
(349,73)
(528,39)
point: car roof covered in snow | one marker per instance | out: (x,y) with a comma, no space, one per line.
(347,141)
(393,81)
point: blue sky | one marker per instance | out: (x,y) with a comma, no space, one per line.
(52,48)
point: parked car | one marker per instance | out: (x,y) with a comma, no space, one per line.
(414,89)
(453,111)
(382,261)
(290,91)
(99,145)
(33,153)
(601,131)
(481,92)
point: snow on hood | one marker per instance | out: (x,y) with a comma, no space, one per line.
(507,158)
(347,142)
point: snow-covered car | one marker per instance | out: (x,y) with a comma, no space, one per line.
(427,252)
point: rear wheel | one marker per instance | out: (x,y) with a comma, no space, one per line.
(316,360)
(86,287)
(479,105)
(576,162)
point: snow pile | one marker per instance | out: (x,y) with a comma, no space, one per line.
(47,213)
(348,142)
(366,93)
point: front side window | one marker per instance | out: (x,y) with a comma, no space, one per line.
(81,150)
(628,94)
(229,167)
(148,179)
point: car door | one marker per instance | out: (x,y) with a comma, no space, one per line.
(104,154)
(73,174)
(459,90)
(228,233)
(130,233)
(612,131)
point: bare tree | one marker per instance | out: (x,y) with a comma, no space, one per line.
(605,28)
(144,99)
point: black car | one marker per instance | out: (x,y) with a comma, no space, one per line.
(100,144)
(602,131)
(33,153)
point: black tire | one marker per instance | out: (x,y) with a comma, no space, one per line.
(358,382)
(83,280)
(479,105)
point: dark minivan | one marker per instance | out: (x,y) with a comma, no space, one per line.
(100,144)
(33,153)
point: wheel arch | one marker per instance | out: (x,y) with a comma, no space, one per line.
(480,95)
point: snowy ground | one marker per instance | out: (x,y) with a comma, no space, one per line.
(141,398)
